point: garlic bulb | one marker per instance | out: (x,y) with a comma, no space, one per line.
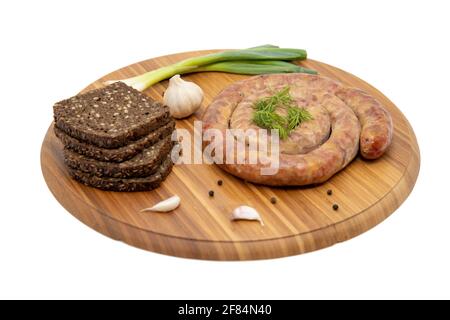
(165,205)
(182,97)
(246,213)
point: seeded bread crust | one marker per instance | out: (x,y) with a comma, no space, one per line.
(125,185)
(115,155)
(110,117)
(143,164)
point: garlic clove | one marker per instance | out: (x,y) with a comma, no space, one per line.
(182,97)
(165,205)
(246,213)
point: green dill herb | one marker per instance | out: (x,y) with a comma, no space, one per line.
(265,116)
(297,116)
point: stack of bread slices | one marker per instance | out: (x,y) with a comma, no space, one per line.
(115,138)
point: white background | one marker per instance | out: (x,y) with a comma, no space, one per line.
(52,49)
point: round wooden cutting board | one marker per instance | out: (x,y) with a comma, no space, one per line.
(302,219)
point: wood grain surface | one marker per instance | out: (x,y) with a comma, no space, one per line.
(302,220)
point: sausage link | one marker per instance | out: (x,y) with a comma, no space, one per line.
(376,122)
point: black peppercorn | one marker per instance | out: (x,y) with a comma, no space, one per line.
(329,192)
(335,207)
(211,193)
(219,182)
(273,200)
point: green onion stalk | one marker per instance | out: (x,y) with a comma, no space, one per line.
(252,61)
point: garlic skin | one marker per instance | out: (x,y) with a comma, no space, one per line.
(166,205)
(182,97)
(246,213)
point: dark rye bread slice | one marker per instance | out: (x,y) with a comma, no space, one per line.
(110,117)
(120,154)
(116,184)
(143,164)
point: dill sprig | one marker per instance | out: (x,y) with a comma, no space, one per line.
(271,120)
(297,116)
(265,116)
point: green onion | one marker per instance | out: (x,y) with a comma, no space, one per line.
(265,46)
(257,60)
(254,67)
(262,53)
